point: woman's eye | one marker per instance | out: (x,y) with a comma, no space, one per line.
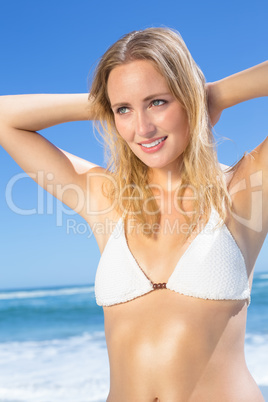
(122,110)
(158,102)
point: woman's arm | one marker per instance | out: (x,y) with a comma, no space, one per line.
(20,117)
(245,85)
(237,88)
(39,111)
(80,165)
(249,184)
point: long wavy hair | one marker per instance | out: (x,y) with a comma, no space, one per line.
(200,169)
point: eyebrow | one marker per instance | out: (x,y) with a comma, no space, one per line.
(150,97)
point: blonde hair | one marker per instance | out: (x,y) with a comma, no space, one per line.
(166,50)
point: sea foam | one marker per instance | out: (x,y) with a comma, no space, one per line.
(32,294)
(74,369)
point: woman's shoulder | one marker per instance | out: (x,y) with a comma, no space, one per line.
(101,194)
(92,189)
(253,162)
(250,169)
(97,178)
(260,155)
(247,184)
(102,212)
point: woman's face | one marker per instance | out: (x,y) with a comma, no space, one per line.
(147,116)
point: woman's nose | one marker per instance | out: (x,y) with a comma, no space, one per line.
(144,125)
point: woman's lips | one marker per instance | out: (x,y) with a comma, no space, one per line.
(154,145)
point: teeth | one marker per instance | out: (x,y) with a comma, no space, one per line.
(153,144)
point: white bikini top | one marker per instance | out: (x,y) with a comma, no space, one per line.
(212,267)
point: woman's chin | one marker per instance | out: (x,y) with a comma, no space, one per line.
(162,164)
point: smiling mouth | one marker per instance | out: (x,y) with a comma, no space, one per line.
(154,143)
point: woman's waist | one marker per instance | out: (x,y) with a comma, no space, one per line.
(183,355)
(184,374)
(181,350)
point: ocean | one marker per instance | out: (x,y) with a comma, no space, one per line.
(52,344)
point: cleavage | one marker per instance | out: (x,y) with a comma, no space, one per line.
(159,256)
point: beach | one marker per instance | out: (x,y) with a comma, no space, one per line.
(52,344)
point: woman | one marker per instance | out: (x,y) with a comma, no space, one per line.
(178,237)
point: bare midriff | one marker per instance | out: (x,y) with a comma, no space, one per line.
(167,347)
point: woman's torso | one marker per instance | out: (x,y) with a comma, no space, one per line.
(170,347)
(178,348)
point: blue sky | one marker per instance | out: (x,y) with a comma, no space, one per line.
(50,47)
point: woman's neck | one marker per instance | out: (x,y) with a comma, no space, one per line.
(167,180)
